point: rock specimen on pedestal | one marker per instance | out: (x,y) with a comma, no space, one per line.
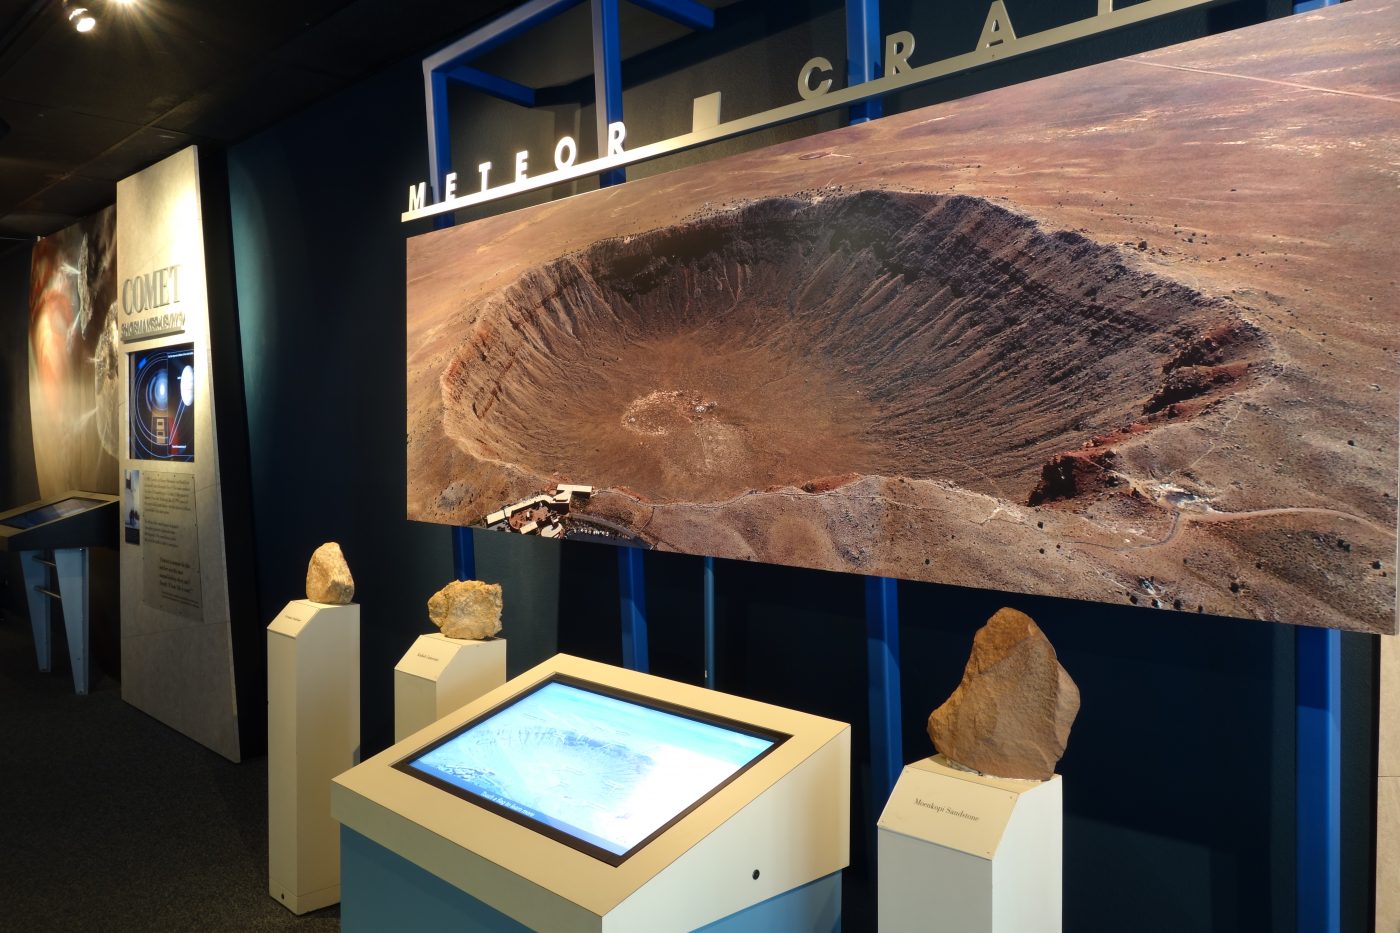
(467,609)
(328,577)
(1010,716)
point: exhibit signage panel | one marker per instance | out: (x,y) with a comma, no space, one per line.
(1138,353)
(177,661)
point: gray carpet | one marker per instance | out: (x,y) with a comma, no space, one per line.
(110,821)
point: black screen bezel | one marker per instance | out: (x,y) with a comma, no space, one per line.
(405,764)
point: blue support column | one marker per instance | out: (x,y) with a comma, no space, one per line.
(607,90)
(463,553)
(710,622)
(882,665)
(607,80)
(632,589)
(1313,5)
(1319,767)
(863,52)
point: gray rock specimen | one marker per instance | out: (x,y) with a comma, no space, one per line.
(1010,716)
(467,609)
(328,577)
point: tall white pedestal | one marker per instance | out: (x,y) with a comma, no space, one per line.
(440,675)
(970,854)
(313,734)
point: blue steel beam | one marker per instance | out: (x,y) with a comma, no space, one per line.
(1319,790)
(463,554)
(607,80)
(863,52)
(496,86)
(632,588)
(882,666)
(686,12)
(710,622)
(439,139)
(474,43)
(1318,883)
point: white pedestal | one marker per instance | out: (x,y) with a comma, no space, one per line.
(972,854)
(440,675)
(313,734)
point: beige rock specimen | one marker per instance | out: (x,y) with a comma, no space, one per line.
(1010,716)
(467,609)
(328,577)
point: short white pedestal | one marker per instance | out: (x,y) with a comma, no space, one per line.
(313,734)
(972,854)
(439,675)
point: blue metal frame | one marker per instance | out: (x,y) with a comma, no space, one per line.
(1319,791)
(450,64)
(607,79)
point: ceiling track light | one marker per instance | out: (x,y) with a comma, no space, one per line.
(81,18)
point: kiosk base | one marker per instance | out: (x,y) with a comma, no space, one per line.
(381,890)
(70,567)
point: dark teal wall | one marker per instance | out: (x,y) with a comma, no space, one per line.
(1179,775)
(19,483)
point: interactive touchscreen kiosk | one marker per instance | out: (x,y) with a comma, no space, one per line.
(73,520)
(581,796)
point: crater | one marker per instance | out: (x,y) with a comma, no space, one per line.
(795,340)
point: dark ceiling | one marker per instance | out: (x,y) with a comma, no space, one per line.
(154,76)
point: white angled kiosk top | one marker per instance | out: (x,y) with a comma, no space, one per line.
(580,796)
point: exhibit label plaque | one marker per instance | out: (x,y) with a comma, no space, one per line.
(170,568)
(1142,353)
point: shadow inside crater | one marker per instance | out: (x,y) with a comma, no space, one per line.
(802,341)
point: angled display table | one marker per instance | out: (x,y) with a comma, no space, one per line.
(584,797)
(55,535)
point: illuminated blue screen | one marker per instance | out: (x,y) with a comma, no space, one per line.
(603,770)
(47,513)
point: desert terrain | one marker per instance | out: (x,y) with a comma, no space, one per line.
(1122,334)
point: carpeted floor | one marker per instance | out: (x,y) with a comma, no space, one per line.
(110,821)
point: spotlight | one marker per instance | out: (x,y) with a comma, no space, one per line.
(81,18)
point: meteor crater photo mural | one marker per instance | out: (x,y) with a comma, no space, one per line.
(1124,334)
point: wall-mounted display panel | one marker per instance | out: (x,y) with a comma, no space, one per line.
(177,657)
(1120,334)
(73,383)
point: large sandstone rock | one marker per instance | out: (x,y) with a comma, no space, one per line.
(467,609)
(1011,715)
(328,577)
